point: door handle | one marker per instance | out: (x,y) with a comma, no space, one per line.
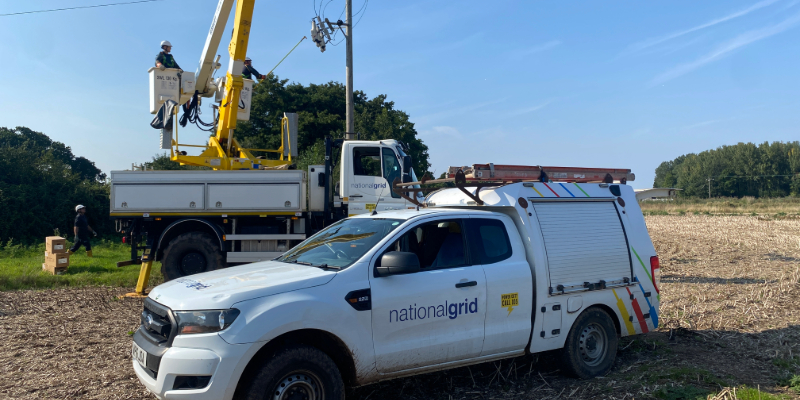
(466,284)
(356,195)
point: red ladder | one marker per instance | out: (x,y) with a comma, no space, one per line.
(510,173)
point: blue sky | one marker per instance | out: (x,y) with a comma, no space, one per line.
(567,83)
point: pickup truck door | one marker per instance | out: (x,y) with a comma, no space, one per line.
(496,245)
(435,315)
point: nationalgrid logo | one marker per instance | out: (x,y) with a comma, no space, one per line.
(368,185)
(450,310)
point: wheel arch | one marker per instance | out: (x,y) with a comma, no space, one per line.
(187,225)
(325,341)
(615,317)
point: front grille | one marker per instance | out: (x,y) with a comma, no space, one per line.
(157,322)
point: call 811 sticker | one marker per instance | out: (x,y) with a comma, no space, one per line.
(509,301)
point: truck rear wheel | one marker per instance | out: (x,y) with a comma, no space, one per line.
(591,346)
(297,372)
(189,254)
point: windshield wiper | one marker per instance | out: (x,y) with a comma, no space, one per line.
(326,266)
(323,266)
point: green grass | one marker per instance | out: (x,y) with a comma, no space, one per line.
(688,392)
(21,268)
(748,393)
(779,207)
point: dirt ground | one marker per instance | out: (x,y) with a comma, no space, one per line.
(729,318)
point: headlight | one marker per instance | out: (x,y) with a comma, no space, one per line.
(205,321)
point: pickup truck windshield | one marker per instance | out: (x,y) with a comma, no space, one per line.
(342,243)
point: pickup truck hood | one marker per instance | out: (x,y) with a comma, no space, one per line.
(222,288)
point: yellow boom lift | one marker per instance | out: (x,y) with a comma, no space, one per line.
(232,92)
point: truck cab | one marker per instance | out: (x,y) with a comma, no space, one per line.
(368,170)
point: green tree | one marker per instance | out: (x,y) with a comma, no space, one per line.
(321,112)
(40,185)
(744,169)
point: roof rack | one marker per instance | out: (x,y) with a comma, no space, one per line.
(479,176)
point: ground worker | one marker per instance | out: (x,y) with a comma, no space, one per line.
(164,59)
(248,71)
(82,230)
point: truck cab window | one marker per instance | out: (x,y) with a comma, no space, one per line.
(438,244)
(391,168)
(488,240)
(367,161)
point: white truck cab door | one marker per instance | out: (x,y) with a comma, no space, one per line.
(495,245)
(372,171)
(435,315)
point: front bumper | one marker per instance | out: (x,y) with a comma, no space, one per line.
(195,355)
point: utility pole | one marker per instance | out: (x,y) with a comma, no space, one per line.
(350,132)
(709,186)
(321,35)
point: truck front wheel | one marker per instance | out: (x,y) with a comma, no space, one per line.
(189,254)
(591,346)
(296,372)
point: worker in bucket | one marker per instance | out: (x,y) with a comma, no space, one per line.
(82,230)
(164,59)
(248,72)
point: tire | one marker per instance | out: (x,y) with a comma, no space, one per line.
(591,346)
(189,254)
(302,372)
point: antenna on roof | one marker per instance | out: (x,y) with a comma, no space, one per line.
(375,211)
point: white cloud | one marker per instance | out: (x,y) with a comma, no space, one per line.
(727,47)
(443,130)
(453,112)
(701,124)
(536,49)
(654,41)
(528,110)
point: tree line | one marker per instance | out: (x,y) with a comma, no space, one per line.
(41,182)
(743,169)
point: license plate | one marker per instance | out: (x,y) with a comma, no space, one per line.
(139,355)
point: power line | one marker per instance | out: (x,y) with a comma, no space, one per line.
(77,8)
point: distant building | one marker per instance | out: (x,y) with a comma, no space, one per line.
(656,194)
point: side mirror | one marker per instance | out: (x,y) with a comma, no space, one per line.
(407,164)
(397,263)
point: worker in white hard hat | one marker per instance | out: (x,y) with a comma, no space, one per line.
(164,59)
(248,71)
(82,230)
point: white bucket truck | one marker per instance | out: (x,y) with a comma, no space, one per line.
(477,275)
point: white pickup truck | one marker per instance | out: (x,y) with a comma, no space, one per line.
(538,266)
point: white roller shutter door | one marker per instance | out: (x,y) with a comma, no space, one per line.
(585,243)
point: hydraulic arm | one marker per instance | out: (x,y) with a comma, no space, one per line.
(223,151)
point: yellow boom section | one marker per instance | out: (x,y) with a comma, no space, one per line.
(223,151)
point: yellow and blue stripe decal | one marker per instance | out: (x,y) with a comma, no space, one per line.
(552,188)
(623,310)
(565,188)
(650,277)
(653,312)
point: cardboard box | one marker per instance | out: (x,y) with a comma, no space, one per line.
(55,244)
(57,260)
(54,270)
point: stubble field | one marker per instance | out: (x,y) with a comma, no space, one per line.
(730,328)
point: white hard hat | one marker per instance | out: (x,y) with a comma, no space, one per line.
(79,206)
(247,59)
(166,43)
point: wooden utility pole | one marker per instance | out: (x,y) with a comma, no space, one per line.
(350,132)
